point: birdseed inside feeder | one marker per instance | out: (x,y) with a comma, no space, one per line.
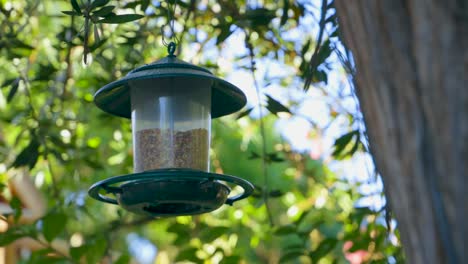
(171,104)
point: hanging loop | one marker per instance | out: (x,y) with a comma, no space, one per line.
(172,37)
(172,44)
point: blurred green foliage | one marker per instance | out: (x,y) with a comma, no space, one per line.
(55,54)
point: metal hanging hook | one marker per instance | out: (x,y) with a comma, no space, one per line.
(172,45)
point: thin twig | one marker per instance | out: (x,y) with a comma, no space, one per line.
(262,130)
(24,77)
(69,70)
(190,11)
(55,188)
(120,225)
(42,140)
(56,251)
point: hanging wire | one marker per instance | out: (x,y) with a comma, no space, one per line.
(171,8)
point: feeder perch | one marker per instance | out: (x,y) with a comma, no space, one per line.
(171,104)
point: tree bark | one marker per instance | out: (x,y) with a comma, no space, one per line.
(412,83)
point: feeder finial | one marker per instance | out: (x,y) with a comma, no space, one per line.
(171,48)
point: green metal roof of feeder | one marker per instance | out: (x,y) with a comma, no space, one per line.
(114,97)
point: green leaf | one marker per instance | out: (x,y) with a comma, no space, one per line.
(77,252)
(44,73)
(119,19)
(253,155)
(343,141)
(360,213)
(276,107)
(134,4)
(18,44)
(96,33)
(45,256)
(29,155)
(292,255)
(231,260)
(323,249)
(9,82)
(286,230)
(15,204)
(273,157)
(275,193)
(124,259)
(335,33)
(182,239)
(188,254)
(284,15)
(9,237)
(96,249)
(144,5)
(177,228)
(356,145)
(311,70)
(320,76)
(324,52)
(331,19)
(16,232)
(361,243)
(13,90)
(53,224)
(305,48)
(97,44)
(93,250)
(330,229)
(259,17)
(244,113)
(71,13)
(224,34)
(76,6)
(182,232)
(98,3)
(211,233)
(104,11)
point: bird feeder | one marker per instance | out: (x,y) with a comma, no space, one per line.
(171,104)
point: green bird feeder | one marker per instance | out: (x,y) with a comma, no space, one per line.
(171,104)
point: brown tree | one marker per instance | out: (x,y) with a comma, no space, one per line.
(412,76)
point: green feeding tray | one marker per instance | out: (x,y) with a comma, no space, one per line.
(170,192)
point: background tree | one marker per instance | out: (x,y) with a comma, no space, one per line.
(55,54)
(412,72)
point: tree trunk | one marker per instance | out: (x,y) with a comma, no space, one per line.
(412,83)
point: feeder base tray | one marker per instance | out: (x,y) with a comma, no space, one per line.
(169,192)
